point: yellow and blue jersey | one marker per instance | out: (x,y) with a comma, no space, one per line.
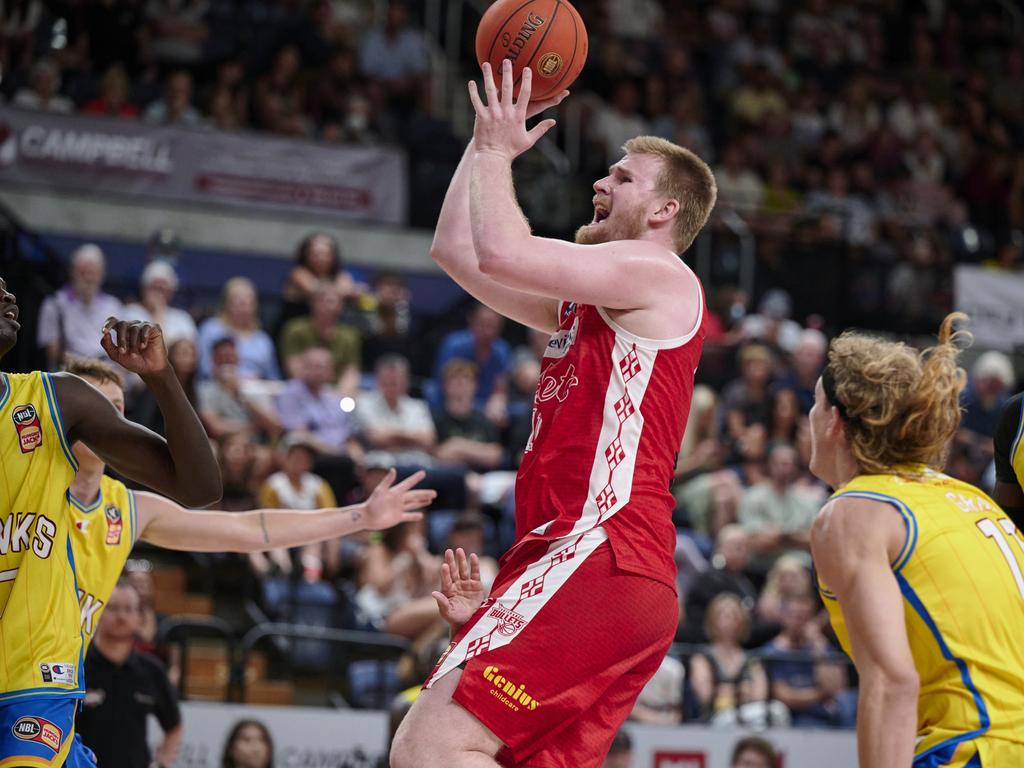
(961,573)
(40,636)
(103,532)
(1009,442)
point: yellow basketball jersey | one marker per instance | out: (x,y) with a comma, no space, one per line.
(40,639)
(961,572)
(102,535)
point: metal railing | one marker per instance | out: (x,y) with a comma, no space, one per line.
(181,631)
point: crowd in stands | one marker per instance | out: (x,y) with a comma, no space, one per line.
(880,139)
(871,145)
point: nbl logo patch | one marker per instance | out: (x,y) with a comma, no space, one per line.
(114,525)
(26,423)
(38,730)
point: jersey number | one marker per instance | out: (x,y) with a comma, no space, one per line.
(991,530)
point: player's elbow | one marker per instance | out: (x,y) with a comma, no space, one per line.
(493,261)
(201,491)
(900,684)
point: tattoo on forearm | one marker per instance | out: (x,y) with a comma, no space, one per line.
(356,515)
(263,525)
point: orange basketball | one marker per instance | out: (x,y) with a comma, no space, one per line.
(547,36)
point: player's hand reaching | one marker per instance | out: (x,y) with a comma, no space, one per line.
(135,345)
(388,506)
(462,592)
(501,123)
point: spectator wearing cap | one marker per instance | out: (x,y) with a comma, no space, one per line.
(71,320)
(295,486)
(753,752)
(158,284)
(481,344)
(322,328)
(620,754)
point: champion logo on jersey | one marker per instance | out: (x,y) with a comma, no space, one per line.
(114,525)
(58,672)
(39,730)
(82,525)
(26,423)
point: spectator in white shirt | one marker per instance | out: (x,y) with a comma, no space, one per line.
(158,285)
(390,420)
(43,95)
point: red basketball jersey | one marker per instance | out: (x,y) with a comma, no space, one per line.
(608,421)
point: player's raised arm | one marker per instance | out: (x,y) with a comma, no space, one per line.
(853,542)
(626,257)
(454,252)
(182,466)
(166,524)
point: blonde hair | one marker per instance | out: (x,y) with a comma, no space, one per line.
(685,178)
(233,284)
(901,406)
(726,598)
(785,564)
(96,370)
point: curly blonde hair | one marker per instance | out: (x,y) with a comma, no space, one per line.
(901,405)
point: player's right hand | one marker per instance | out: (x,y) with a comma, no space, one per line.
(139,346)
(462,592)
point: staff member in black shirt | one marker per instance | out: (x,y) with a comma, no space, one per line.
(123,687)
(1009,456)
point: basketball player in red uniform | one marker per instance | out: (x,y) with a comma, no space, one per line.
(584,607)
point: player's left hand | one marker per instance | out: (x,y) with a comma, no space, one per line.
(388,506)
(135,345)
(501,123)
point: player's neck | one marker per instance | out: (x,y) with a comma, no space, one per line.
(86,484)
(844,470)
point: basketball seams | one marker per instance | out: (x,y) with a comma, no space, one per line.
(497,34)
(577,23)
(506,22)
(536,48)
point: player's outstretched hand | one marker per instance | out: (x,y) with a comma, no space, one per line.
(388,506)
(135,345)
(500,126)
(462,592)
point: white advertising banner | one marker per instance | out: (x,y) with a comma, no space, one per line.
(307,737)
(995,302)
(110,157)
(304,737)
(701,747)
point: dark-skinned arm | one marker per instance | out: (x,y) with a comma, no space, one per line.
(182,466)
(1007,492)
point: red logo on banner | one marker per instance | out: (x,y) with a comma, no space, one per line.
(680,760)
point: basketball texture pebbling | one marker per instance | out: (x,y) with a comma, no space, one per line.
(548,36)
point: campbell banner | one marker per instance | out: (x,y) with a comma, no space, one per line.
(111,157)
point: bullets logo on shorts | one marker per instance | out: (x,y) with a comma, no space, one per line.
(508,693)
(509,622)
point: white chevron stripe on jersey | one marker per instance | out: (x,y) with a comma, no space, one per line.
(508,613)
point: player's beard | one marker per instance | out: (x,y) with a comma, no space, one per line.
(630,226)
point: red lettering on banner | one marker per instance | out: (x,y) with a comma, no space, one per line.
(680,760)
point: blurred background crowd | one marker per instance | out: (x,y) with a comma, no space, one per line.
(861,149)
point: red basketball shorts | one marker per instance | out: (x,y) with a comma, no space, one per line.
(555,658)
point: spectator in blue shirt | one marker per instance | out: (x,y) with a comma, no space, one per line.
(482,345)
